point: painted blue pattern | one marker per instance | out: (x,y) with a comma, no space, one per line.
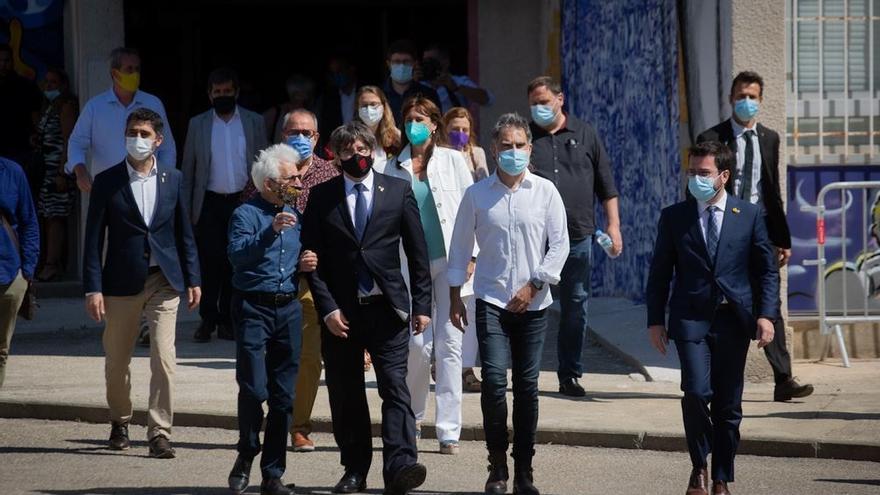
(620,74)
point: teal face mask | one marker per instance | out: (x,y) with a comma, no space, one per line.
(746,109)
(702,188)
(513,162)
(417,133)
(543,115)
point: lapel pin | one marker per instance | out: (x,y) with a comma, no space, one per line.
(163,177)
(381,189)
(735,210)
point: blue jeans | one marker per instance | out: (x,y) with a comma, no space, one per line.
(268,341)
(513,340)
(574,294)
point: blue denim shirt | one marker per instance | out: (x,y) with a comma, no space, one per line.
(262,260)
(18,208)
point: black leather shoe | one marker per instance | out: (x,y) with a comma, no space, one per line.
(203,333)
(351,482)
(160,448)
(571,388)
(119,436)
(791,390)
(523,483)
(406,479)
(274,486)
(224,331)
(496,484)
(240,475)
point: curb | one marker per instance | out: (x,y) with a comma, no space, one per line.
(616,439)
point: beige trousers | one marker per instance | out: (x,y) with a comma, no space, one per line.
(158,303)
(309,376)
(10,300)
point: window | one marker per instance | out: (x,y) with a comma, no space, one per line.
(833,77)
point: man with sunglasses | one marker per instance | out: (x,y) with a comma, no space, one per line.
(221,144)
(300,132)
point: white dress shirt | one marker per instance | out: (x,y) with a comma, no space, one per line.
(739,133)
(351,200)
(99,133)
(228,172)
(346,105)
(719,214)
(143,188)
(516,226)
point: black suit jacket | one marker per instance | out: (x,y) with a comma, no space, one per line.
(169,238)
(328,230)
(768,141)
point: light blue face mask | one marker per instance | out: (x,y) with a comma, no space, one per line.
(51,94)
(417,133)
(513,162)
(702,188)
(301,144)
(401,73)
(543,115)
(746,109)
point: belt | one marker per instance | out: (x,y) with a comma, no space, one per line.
(154,269)
(234,195)
(373,299)
(269,298)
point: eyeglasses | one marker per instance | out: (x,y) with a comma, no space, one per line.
(374,104)
(346,154)
(702,173)
(303,132)
(286,180)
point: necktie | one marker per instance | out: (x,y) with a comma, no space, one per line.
(365,281)
(745,191)
(711,233)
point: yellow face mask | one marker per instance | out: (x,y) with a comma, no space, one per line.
(128,82)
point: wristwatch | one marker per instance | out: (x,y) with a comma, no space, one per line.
(537,283)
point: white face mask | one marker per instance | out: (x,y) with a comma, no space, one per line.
(371,115)
(139,148)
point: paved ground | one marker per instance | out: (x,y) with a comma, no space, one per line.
(66,458)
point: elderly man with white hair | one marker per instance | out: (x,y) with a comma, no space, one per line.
(267,317)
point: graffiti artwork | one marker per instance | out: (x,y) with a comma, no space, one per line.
(34,31)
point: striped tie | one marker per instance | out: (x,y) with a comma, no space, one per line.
(712,233)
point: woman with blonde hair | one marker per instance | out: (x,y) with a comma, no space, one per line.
(372,108)
(461,135)
(439,176)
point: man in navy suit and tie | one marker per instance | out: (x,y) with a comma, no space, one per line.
(355,224)
(726,281)
(150,260)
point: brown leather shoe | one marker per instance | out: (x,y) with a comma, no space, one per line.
(720,488)
(698,483)
(302,443)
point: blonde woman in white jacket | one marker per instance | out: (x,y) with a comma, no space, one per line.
(439,177)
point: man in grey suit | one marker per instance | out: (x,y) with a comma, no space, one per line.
(221,144)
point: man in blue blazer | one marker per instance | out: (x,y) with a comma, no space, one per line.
(150,259)
(715,251)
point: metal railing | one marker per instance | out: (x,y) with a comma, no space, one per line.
(846,292)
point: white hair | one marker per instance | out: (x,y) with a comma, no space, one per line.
(268,161)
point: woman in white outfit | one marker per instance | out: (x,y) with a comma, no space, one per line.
(439,177)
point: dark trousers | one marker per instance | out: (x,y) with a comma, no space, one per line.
(268,343)
(514,340)
(211,240)
(712,372)
(378,329)
(777,353)
(574,294)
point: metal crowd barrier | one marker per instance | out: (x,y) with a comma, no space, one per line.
(847,292)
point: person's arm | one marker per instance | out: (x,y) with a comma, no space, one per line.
(460,248)
(186,242)
(167,152)
(465,179)
(248,241)
(550,269)
(659,277)
(261,141)
(93,244)
(80,140)
(28,229)
(764,270)
(606,190)
(312,240)
(779,233)
(188,167)
(416,249)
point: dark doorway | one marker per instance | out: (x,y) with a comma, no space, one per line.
(268,40)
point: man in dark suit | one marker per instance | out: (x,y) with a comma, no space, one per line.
(220,148)
(756,180)
(715,247)
(150,259)
(355,224)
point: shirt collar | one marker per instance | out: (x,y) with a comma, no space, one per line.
(572,124)
(721,203)
(217,118)
(738,130)
(367,182)
(111,97)
(135,175)
(527,182)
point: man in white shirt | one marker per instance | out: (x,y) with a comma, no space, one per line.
(98,136)
(518,221)
(221,144)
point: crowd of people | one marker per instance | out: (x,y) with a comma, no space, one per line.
(369,232)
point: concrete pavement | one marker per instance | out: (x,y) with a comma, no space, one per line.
(56,372)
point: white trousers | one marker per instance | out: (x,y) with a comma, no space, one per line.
(442,340)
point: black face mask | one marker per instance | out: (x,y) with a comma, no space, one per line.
(224,104)
(357,166)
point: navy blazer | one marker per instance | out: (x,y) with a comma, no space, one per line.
(327,229)
(169,238)
(745,270)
